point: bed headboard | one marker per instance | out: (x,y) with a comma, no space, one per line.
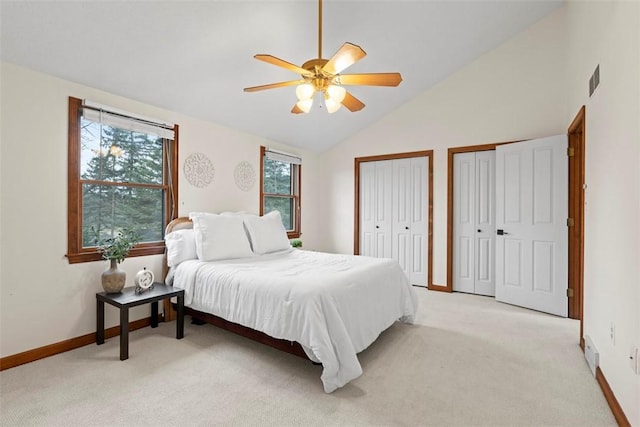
(179,223)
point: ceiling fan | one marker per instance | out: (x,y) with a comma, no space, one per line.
(323,76)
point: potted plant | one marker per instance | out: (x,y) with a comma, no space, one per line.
(115,249)
(296,243)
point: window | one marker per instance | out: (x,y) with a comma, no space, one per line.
(280,188)
(121,174)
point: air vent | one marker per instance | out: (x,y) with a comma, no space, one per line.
(591,354)
(594,81)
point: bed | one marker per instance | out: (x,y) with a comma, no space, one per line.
(327,307)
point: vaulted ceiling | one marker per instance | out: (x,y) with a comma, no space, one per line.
(195,57)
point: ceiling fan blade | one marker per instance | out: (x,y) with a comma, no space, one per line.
(273,85)
(347,55)
(370,79)
(296,109)
(284,64)
(352,103)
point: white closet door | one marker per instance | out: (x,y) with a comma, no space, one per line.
(485,224)
(410,204)
(376,221)
(464,223)
(384,212)
(367,208)
(531,212)
(394,203)
(474,222)
(402,200)
(419,220)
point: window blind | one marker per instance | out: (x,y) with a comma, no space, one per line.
(282,157)
(122,120)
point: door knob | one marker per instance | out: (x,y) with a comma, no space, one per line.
(377,226)
(501,232)
(479,231)
(406,228)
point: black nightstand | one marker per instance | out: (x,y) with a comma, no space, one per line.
(127,299)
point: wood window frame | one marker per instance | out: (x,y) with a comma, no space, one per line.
(76,253)
(296,181)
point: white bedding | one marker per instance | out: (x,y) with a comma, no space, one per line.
(333,305)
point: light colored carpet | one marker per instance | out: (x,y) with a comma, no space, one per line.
(468,361)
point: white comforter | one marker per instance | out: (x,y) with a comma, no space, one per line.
(334,305)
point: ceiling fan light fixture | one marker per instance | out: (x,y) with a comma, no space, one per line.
(305,91)
(331,104)
(337,93)
(305,105)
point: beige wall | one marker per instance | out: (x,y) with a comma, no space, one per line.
(608,33)
(44,299)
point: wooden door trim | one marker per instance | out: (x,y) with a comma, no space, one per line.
(576,137)
(356,229)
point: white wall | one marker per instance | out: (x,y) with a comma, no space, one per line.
(517,91)
(44,299)
(608,33)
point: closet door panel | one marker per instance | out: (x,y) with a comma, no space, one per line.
(464,199)
(367,209)
(402,199)
(419,220)
(485,225)
(383,209)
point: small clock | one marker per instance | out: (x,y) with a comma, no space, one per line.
(143,281)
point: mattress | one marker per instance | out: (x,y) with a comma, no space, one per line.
(334,305)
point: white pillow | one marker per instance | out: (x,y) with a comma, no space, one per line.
(193,214)
(241,214)
(181,246)
(220,237)
(267,233)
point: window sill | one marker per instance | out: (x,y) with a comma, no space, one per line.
(93,255)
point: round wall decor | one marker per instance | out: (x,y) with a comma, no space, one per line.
(244,175)
(199,170)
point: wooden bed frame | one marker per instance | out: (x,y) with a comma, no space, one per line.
(291,347)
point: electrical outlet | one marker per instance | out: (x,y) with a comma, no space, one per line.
(612,333)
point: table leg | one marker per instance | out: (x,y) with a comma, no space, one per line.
(180,319)
(154,314)
(124,333)
(99,322)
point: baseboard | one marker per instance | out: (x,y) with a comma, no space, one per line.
(618,413)
(62,346)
